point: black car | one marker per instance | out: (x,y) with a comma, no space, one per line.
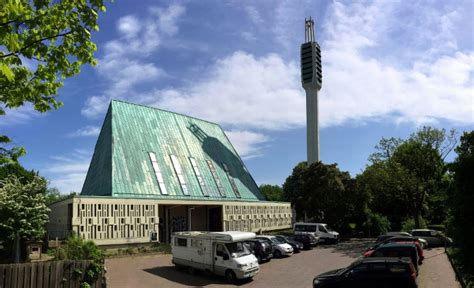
(370,272)
(297,246)
(260,248)
(307,240)
(397,250)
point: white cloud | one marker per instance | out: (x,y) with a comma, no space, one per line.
(68,171)
(247,143)
(20,115)
(358,86)
(243,91)
(365,77)
(254,15)
(86,131)
(124,64)
(129,26)
(167,18)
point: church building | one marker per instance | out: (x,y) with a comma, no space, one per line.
(155,172)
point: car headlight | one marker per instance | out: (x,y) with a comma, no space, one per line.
(241,265)
(315,281)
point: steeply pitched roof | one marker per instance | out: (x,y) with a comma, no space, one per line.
(140,147)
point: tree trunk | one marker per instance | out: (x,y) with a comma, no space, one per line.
(417,220)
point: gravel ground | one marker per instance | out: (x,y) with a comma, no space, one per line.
(295,271)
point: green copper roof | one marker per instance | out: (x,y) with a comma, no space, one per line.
(194,158)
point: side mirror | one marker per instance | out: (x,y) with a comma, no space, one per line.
(225,256)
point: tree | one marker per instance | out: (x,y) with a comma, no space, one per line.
(23,212)
(407,175)
(462,199)
(22,174)
(321,192)
(272,192)
(53,195)
(43,42)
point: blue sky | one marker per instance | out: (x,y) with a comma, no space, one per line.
(389,67)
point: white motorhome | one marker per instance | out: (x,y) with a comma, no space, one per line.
(222,253)
(320,230)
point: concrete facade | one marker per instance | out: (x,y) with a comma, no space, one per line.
(119,221)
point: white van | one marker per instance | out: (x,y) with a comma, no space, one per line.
(319,230)
(221,253)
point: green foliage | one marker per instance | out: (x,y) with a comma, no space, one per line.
(23,175)
(409,175)
(43,42)
(462,200)
(77,248)
(409,224)
(272,192)
(375,224)
(316,192)
(22,208)
(53,195)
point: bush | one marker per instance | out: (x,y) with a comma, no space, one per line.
(409,224)
(376,224)
(78,249)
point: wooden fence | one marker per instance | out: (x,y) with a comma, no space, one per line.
(51,274)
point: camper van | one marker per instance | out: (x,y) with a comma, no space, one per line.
(221,253)
(320,230)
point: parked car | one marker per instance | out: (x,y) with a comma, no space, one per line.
(402,240)
(308,241)
(396,250)
(320,230)
(423,242)
(280,248)
(370,272)
(433,237)
(297,246)
(260,248)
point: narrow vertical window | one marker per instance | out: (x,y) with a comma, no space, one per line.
(199,178)
(216,178)
(232,181)
(179,173)
(159,176)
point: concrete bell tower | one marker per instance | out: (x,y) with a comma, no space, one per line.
(311,78)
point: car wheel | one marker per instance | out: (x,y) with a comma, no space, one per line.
(277,254)
(230,276)
(259,259)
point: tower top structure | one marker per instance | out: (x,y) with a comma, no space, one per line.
(309,30)
(311,71)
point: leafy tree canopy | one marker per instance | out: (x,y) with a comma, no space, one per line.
(23,212)
(42,43)
(272,192)
(462,199)
(322,193)
(406,173)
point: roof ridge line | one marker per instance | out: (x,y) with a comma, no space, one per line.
(160,109)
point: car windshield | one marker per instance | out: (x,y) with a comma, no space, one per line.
(276,240)
(328,228)
(237,249)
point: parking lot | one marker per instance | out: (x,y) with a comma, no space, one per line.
(295,271)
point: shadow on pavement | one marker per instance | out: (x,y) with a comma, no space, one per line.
(197,279)
(352,248)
